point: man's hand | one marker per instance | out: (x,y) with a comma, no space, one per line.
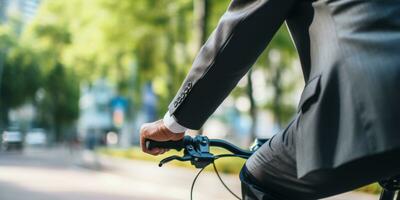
(159,132)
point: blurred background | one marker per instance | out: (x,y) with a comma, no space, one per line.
(78,78)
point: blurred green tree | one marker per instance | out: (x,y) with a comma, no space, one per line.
(20,75)
(58,101)
(59,107)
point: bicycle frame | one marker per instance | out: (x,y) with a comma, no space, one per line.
(390,189)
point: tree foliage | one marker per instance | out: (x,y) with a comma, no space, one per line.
(19,72)
(58,105)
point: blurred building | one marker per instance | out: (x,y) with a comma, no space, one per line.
(95,119)
(23,9)
(3,9)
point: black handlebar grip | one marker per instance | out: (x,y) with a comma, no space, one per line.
(177,145)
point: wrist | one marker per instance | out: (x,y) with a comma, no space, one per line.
(172,125)
(168,133)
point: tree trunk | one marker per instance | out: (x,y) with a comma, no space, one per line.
(58,132)
(202,13)
(3,117)
(2,60)
(3,108)
(278,90)
(170,62)
(182,40)
(253,106)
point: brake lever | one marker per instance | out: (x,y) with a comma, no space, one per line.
(171,158)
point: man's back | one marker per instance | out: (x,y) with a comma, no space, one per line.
(349,52)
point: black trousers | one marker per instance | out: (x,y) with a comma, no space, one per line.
(270,173)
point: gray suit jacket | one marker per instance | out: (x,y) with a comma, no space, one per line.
(349,51)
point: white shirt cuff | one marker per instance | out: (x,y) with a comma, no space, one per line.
(172,124)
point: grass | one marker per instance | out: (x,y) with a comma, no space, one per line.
(225,165)
(372,188)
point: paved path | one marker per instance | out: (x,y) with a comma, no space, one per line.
(54,175)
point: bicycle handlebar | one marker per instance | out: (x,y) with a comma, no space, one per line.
(197,149)
(177,145)
(187,140)
(230,147)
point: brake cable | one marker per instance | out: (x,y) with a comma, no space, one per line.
(197,151)
(194,181)
(218,175)
(223,183)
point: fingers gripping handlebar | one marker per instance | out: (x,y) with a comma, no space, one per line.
(177,145)
(196,150)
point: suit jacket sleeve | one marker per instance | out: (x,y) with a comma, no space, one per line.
(241,35)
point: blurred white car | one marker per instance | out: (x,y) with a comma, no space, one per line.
(36,137)
(12,139)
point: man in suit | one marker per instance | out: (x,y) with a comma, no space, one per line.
(347,129)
